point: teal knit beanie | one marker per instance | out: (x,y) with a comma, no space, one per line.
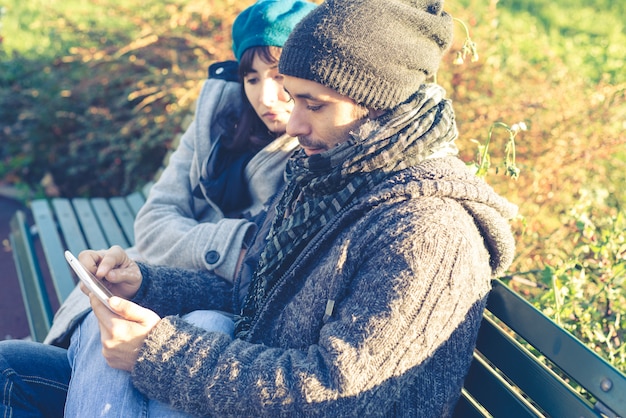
(267,23)
(376,52)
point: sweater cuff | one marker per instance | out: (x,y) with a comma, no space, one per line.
(171,353)
(145,283)
(149,372)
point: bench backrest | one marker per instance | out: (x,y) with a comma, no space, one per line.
(59,224)
(525,365)
(73,224)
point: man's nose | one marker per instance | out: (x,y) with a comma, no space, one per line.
(296,125)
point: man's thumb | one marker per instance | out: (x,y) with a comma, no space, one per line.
(130,311)
(126,309)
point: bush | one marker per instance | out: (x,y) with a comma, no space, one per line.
(571,251)
(98,119)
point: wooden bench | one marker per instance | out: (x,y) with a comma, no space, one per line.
(59,224)
(524,364)
(73,224)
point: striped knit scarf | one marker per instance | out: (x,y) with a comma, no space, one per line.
(319,186)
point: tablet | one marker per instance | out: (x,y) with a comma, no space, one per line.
(92,283)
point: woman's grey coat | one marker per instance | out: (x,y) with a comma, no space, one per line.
(174,227)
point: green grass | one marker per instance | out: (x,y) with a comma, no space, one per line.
(586,37)
(43,29)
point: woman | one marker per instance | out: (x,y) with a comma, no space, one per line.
(229,161)
(199,213)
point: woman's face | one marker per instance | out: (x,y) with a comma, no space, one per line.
(264,89)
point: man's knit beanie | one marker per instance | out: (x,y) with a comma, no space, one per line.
(377,52)
(267,23)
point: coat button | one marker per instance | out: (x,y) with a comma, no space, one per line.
(212,257)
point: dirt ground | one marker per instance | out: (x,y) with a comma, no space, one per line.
(13,323)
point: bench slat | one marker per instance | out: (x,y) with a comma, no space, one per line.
(135,201)
(467,407)
(109,224)
(38,309)
(124,216)
(493,393)
(145,190)
(68,223)
(89,223)
(53,248)
(560,347)
(541,384)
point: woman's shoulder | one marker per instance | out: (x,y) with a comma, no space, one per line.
(219,106)
(224,70)
(218,92)
(221,88)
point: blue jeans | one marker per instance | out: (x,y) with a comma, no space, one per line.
(34,379)
(97,390)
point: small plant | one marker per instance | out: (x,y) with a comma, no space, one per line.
(3,11)
(469,46)
(483,162)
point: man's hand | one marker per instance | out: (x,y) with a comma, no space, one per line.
(118,272)
(123,334)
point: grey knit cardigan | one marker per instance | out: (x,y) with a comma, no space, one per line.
(378,316)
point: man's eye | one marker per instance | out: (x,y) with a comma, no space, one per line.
(314,108)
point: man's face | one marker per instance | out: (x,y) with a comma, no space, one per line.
(321,118)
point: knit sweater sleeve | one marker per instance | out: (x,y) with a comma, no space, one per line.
(177,291)
(409,289)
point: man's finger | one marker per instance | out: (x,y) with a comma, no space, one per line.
(132,312)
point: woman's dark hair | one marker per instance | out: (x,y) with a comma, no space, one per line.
(251,134)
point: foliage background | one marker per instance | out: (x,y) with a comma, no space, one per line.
(93,95)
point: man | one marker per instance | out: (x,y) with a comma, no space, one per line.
(363,292)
